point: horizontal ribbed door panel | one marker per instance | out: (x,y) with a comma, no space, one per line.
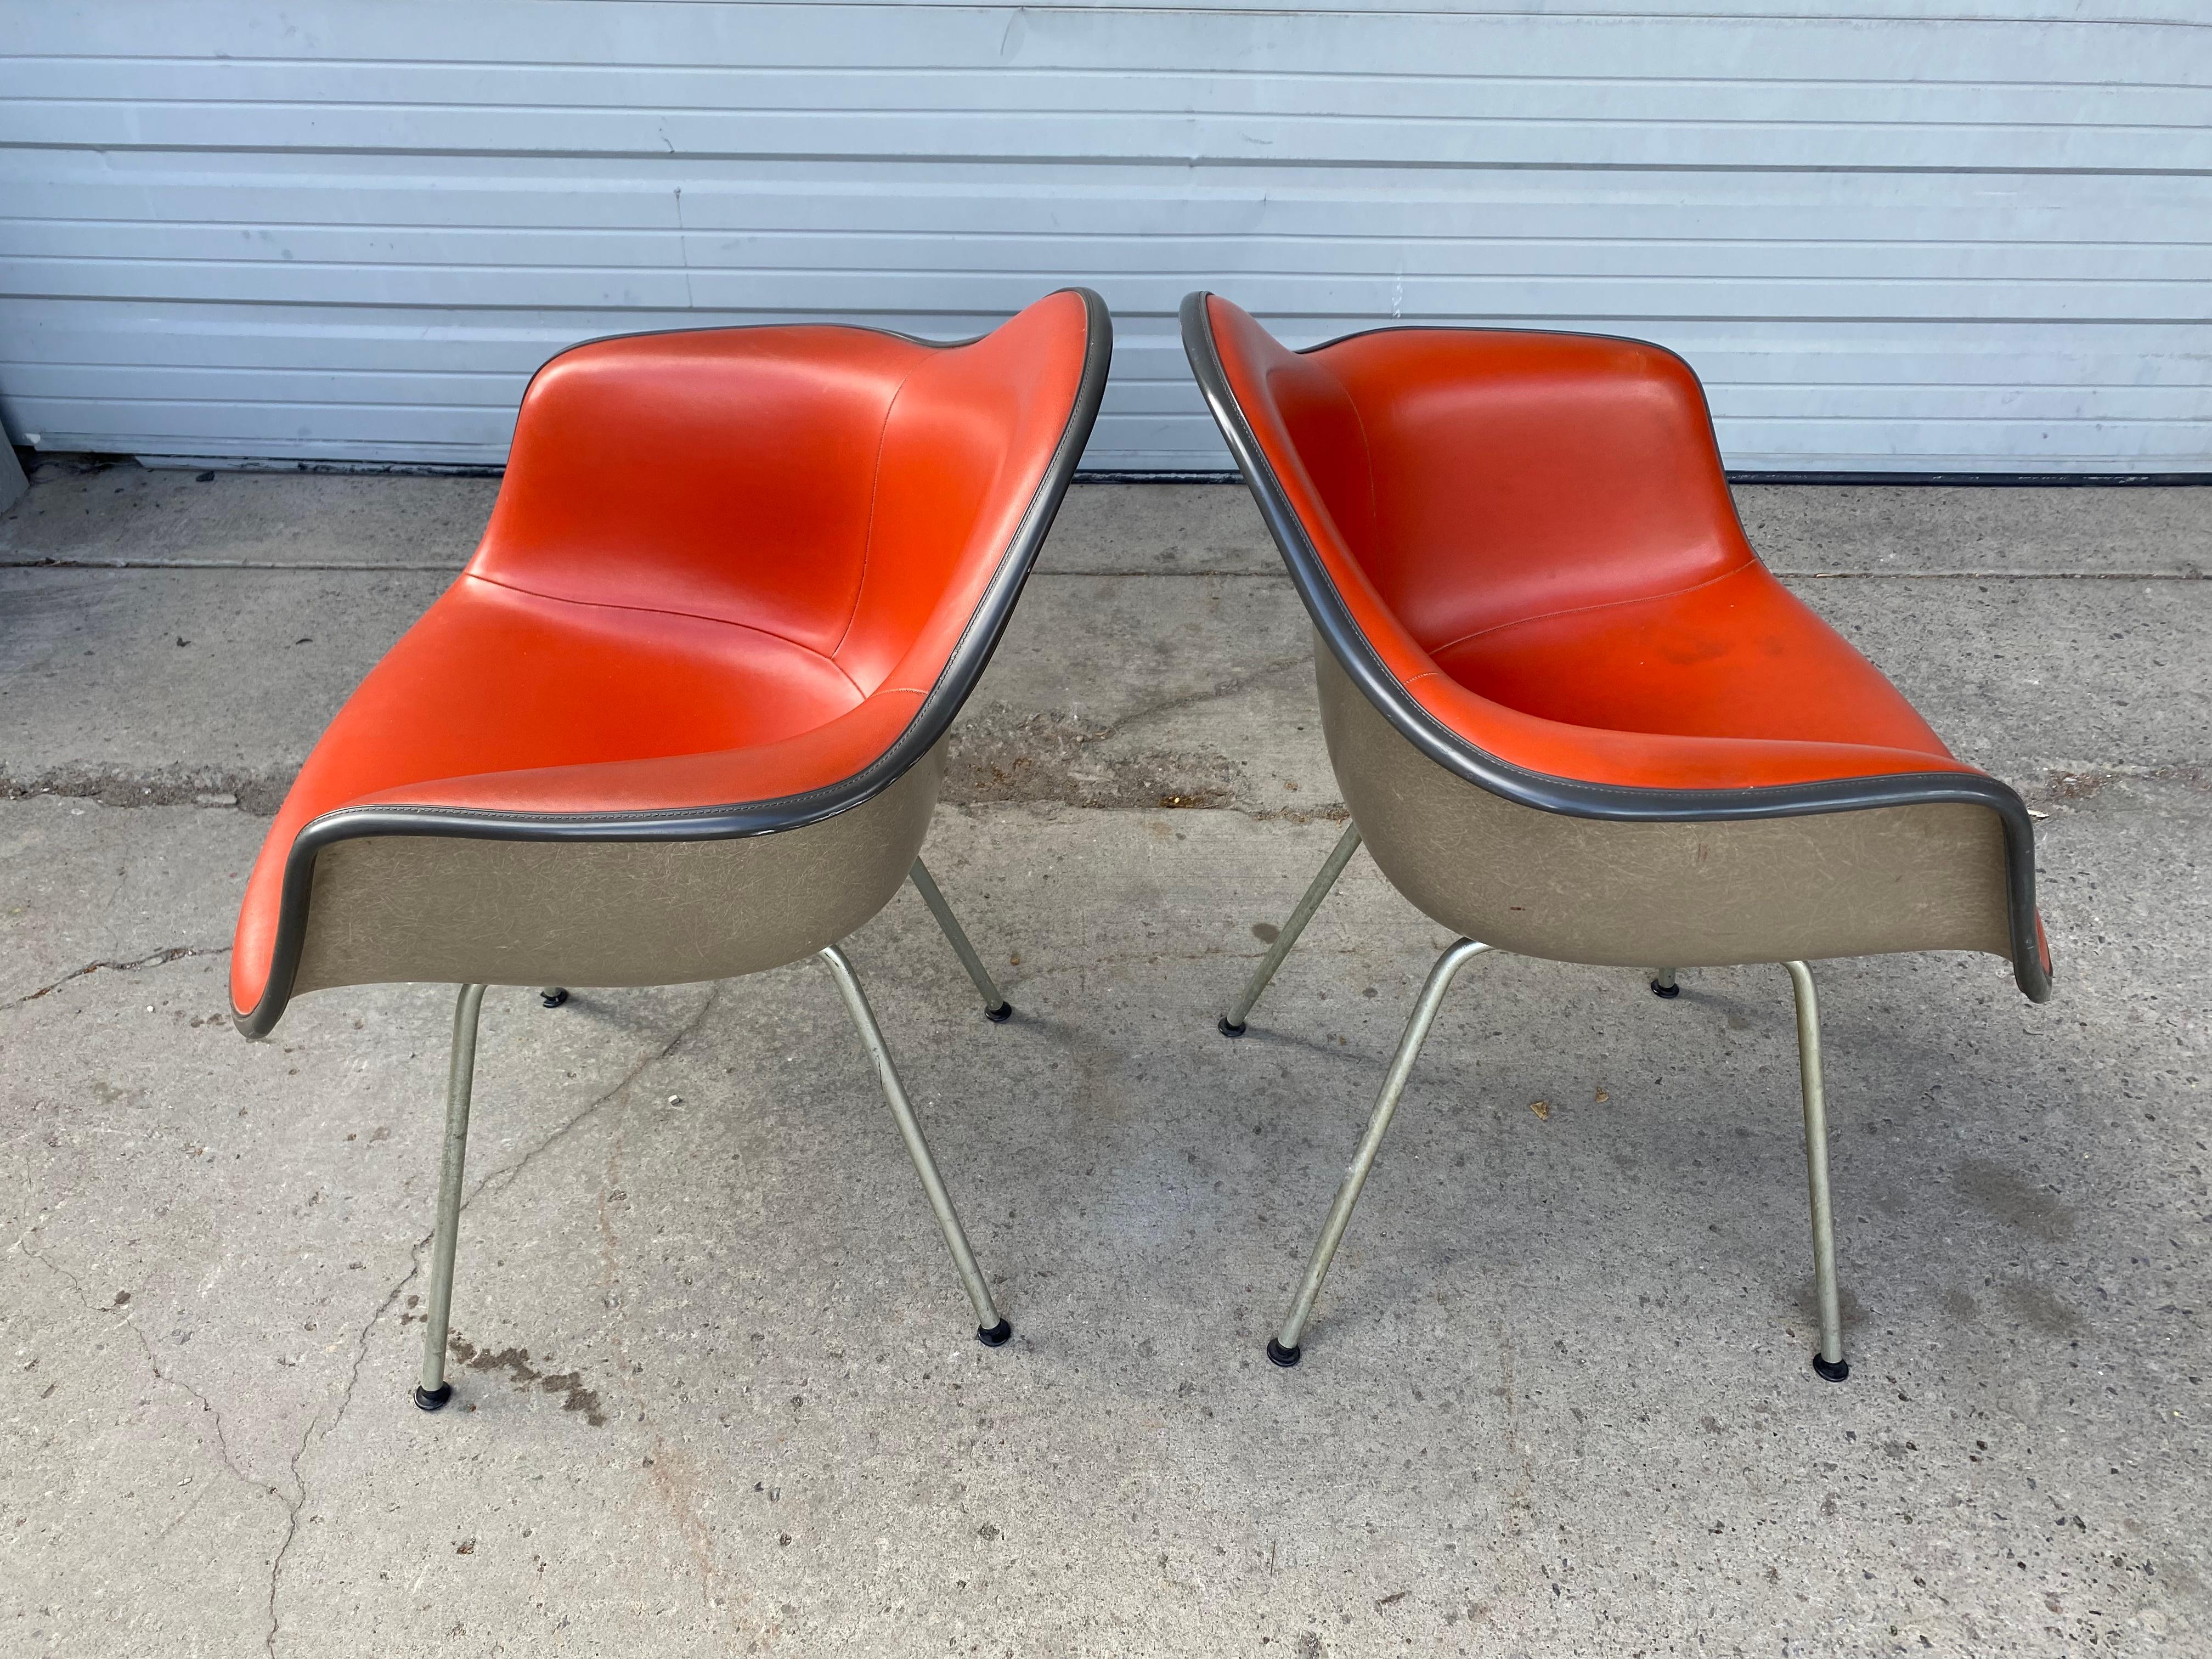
(350,232)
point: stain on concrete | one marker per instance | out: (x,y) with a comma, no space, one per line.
(2012,1197)
(2038,1308)
(1958,1304)
(515,1362)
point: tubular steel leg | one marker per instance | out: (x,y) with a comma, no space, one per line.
(1231,1024)
(435,1391)
(552,996)
(1284,1349)
(991,1330)
(1829,1360)
(995,1005)
(1663,983)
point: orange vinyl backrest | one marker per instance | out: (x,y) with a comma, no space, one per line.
(720,473)
(838,487)
(1485,447)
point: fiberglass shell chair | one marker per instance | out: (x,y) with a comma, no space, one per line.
(1571,712)
(683,716)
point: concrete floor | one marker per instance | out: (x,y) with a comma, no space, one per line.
(717,1387)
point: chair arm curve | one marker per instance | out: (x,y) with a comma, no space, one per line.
(722,795)
(1634,776)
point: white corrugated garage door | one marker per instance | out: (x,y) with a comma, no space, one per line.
(350,231)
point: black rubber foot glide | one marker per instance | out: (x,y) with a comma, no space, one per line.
(1282,1356)
(434,1401)
(1832,1372)
(553,998)
(994,1336)
(1670,992)
(1228,1030)
(1000,1015)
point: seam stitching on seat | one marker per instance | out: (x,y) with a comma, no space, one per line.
(664,610)
(1367,453)
(1602,604)
(868,535)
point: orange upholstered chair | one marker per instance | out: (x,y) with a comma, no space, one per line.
(1571,712)
(682,717)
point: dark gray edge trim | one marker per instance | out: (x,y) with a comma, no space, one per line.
(1575,797)
(970,655)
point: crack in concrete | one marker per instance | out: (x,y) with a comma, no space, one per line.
(497,1181)
(1052,759)
(508,1176)
(160,958)
(222,1436)
(292,1502)
(59,1272)
(259,793)
(1228,688)
(223,1453)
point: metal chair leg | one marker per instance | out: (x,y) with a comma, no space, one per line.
(995,1005)
(1663,983)
(552,996)
(1829,1360)
(991,1330)
(1231,1024)
(1284,1348)
(435,1391)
